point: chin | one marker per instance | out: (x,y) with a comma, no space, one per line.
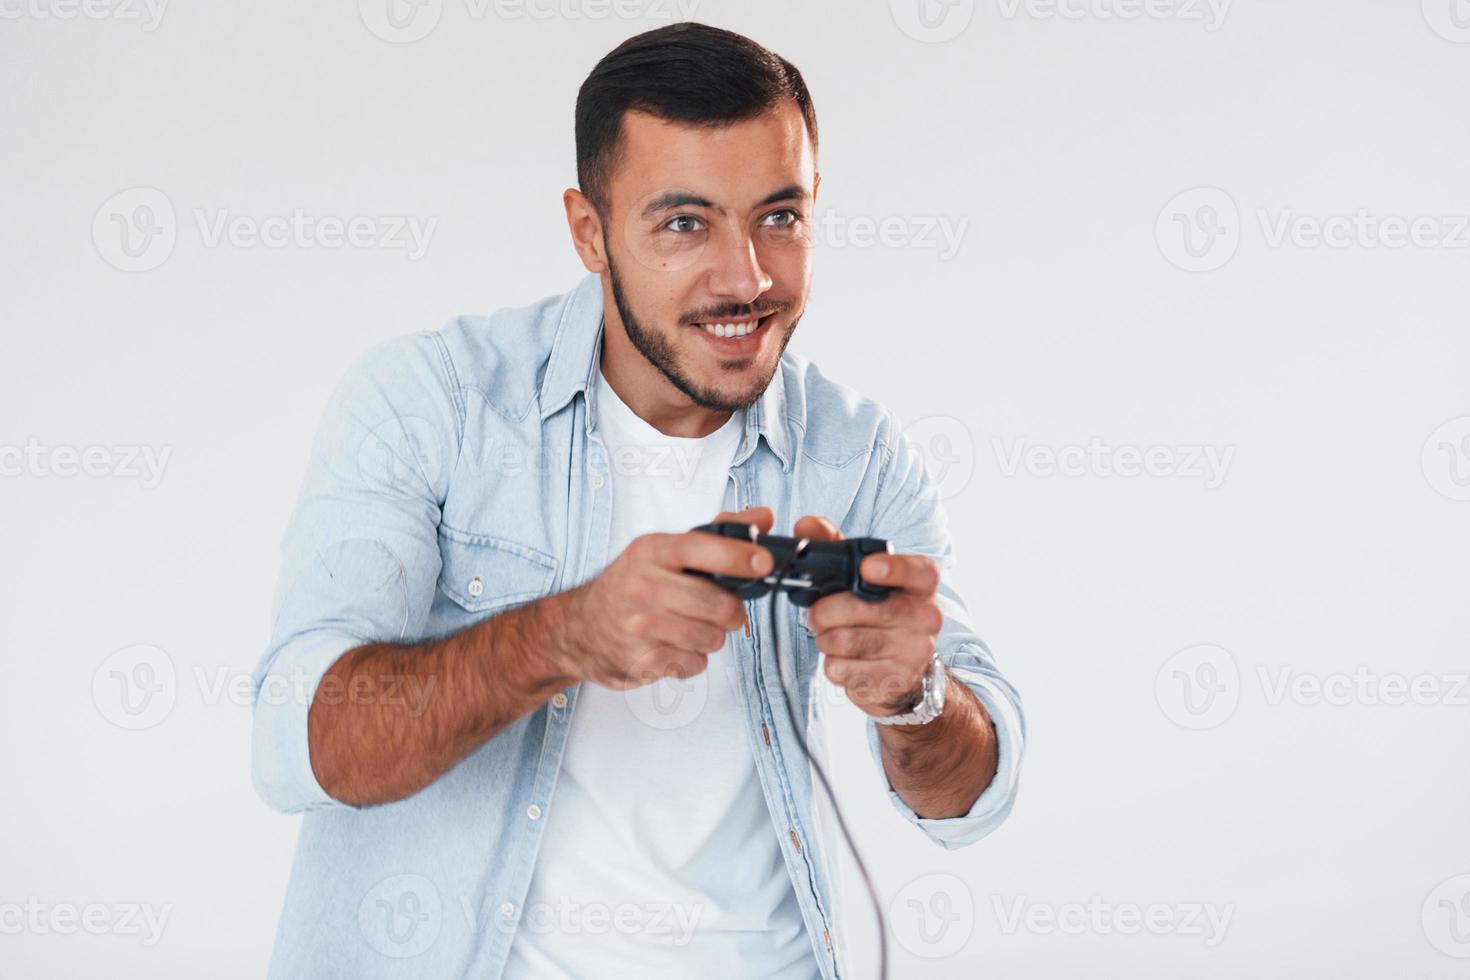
(731,390)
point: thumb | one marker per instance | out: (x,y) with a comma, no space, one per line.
(817,528)
(762,517)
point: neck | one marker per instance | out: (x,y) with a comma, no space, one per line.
(645,390)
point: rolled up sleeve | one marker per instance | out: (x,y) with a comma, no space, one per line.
(360,556)
(909,513)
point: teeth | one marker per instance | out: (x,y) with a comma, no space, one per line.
(731,329)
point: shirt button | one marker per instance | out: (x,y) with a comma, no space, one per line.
(476,587)
(533,811)
(597,481)
(558,700)
(507,910)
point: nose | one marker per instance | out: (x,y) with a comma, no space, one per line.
(736,274)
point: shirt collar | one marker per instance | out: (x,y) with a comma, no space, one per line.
(575,351)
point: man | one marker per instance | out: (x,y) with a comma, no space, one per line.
(534,745)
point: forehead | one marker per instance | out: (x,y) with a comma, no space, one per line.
(733,166)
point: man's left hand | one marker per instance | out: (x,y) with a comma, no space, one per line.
(878,652)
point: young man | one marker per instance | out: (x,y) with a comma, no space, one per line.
(534,746)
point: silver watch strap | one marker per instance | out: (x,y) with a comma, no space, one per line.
(931,699)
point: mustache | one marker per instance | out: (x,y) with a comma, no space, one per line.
(720,314)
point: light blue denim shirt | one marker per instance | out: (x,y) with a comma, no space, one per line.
(459,473)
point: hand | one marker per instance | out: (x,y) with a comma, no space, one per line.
(878,652)
(643,618)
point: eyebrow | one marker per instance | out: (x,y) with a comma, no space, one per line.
(669,200)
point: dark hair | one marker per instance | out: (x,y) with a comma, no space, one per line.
(687,73)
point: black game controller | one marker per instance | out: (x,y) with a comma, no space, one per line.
(808,569)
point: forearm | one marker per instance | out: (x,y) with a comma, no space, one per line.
(388,719)
(940,769)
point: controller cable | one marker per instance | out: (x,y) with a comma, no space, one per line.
(816,766)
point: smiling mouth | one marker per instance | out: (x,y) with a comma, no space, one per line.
(733,329)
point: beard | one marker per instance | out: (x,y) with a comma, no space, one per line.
(659,351)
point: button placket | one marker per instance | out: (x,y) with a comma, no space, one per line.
(766,710)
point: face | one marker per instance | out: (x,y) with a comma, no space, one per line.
(707,242)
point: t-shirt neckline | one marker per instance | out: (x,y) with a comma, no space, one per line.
(629,423)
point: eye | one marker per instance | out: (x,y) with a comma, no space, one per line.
(684,224)
(784,218)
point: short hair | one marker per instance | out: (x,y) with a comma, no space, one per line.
(687,73)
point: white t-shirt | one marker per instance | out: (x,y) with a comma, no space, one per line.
(659,857)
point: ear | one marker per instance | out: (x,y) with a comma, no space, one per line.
(816,184)
(585,224)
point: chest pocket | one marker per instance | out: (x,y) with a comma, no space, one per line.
(485,574)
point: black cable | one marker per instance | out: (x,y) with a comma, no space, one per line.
(816,766)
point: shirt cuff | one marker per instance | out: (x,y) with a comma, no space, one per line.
(280,750)
(993,805)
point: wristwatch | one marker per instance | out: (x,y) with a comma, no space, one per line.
(931,699)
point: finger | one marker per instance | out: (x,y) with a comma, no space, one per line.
(879,680)
(664,661)
(885,683)
(709,553)
(838,671)
(682,666)
(683,633)
(853,643)
(699,599)
(817,528)
(899,611)
(872,643)
(916,574)
(857,676)
(762,517)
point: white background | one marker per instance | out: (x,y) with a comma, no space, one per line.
(1331,834)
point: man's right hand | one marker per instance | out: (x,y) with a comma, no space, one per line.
(643,619)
